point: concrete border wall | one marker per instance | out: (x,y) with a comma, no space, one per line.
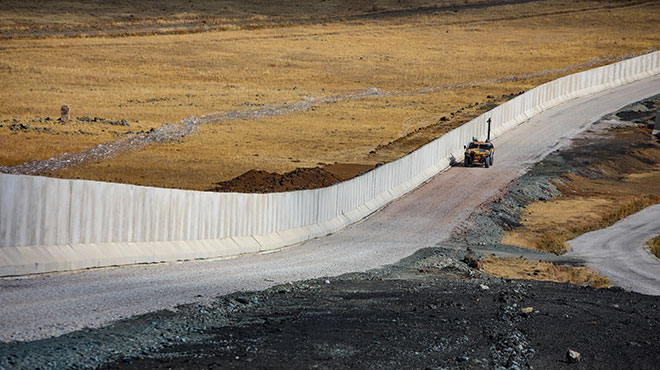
(51,224)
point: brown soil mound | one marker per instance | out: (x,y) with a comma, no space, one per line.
(347,171)
(255,181)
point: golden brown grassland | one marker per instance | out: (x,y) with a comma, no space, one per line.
(554,241)
(521,268)
(154,78)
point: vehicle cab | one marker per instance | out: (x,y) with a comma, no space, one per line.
(479,152)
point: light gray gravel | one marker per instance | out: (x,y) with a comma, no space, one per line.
(50,305)
(618,251)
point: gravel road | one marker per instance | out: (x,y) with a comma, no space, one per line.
(50,305)
(618,252)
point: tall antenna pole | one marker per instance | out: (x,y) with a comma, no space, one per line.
(488,139)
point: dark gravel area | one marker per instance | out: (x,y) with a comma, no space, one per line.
(428,311)
(433,317)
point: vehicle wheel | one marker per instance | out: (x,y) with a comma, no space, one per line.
(487,162)
(466,162)
(491,159)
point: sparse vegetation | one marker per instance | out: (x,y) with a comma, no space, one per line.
(654,246)
(555,241)
(521,268)
(611,218)
(552,242)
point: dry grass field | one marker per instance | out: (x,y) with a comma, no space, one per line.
(522,268)
(150,63)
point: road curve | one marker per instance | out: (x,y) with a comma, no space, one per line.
(618,252)
(49,305)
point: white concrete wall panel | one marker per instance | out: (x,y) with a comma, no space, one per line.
(55,225)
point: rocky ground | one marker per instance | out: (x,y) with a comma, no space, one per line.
(17,125)
(429,311)
(435,309)
(431,318)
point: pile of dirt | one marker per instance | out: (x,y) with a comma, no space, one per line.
(346,171)
(256,181)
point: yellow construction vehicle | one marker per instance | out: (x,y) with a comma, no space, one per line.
(479,152)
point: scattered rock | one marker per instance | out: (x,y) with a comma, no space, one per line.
(65,116)
(573,356)
(20,126)
(471,261)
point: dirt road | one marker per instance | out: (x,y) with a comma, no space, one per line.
(618,253)
(44,306)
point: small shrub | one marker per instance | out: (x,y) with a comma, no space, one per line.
(599,282)
(654,246)
(553,243)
